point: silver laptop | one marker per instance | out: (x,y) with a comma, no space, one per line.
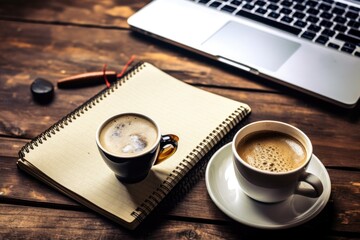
(310,45)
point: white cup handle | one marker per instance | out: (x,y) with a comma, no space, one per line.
(314,181)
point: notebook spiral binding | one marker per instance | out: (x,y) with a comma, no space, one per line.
(177,174)
(67,119)
(188,163)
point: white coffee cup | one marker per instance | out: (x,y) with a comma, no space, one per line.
(270,160)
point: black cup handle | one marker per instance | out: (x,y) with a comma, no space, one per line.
(168,146)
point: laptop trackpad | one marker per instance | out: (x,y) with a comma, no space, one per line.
(249,46)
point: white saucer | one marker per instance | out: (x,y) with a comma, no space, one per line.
(225,192)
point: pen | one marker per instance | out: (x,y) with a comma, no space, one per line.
(92,78)
(86,79)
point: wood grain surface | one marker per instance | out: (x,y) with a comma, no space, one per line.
(56,39)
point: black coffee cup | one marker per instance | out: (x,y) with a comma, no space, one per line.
(131,143)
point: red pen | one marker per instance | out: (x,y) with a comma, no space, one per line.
(87,79)
(93,78)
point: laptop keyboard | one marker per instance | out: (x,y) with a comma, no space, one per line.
(326,22)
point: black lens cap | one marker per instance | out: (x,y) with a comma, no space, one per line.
(42,90)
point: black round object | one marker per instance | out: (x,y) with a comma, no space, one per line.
(42,90)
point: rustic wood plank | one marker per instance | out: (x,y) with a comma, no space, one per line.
(17,185)
(88,13)
(9,147)
(342,209)
(76,53)
(18,222)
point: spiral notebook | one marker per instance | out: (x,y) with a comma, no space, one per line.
(66,156)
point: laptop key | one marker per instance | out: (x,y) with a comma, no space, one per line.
(354,32)
(261,11)
(260,3)
(349,45)
(322,39)
(326,15)
(299,7)
(348,39)
(286,19)
(347,50)
(339,19)
(274,15)
(312,19)
(311,3)
(353,24)
(248,6)
(300,23)
(287,3)
(204,1)
(351,15)
(324,7)
(333,45)
(340,28)
(343,5)
(286,11)
(236,2)
(299,15)
(355,9)
(273,7)
(228,9)
(278,25)
(328,32)
(308,35)
(326,24)
(338,11)
(314,28)
(215,4)
(312,11)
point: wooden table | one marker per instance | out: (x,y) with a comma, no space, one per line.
(55,39)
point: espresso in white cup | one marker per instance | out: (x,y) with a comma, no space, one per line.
(270,160)
(272,151)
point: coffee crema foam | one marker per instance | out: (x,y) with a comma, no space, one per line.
(272,151)
(128,135)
